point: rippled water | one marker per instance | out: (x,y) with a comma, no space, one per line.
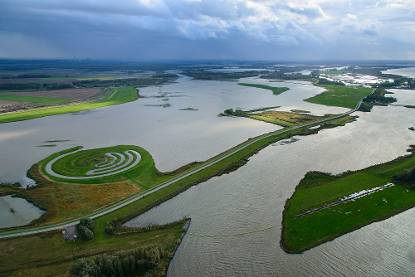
(15,211)
(173,136)
(236,218)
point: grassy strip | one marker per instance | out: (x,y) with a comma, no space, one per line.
(49,255)
(340,96)
(317,189)
(114,96)
(275,90)
(40,100)
(285,119)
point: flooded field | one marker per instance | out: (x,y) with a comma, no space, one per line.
(16,211)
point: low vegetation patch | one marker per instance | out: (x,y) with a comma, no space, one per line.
(275,90)
(282,118)
(285,119)
(378,98)
(300,233)
(113,96)
(340,96)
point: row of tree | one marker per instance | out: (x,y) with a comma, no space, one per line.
(406,177)
(135,262)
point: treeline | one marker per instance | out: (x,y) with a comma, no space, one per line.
(406,177)
(377,98)
(135,262)
(234,112)
(283,74)
(398,82)
(324,81)
(27,76)
(157,79)
(35,86)
(200,74)
(136,82)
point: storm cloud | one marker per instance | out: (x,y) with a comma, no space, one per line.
(207,29)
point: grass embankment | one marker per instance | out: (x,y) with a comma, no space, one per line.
(300,233)
(275,90)
(340,96)
(114,96)
(42,100)
(49,255)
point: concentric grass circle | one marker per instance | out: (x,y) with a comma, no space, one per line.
(90,164)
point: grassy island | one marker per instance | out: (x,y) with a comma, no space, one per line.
(340,96)
(324,207)
(275,90)
(113,96)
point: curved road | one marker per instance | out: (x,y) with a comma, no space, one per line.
(122,203)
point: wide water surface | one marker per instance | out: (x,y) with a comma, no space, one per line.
(186,129)
(174,135)
(236,218)
(406,72)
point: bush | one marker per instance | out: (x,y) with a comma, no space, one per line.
(85,229)
(406,177)
(128,263)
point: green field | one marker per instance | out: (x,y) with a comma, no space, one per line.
(340,96)
(114,96)
(300,233)
(40,100)
(49,255)
(275,90)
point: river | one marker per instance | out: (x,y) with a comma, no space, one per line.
(236,218)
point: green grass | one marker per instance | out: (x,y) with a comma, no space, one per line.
(49,255)
(114,96)
(145,173)
(340,96)
(316,189)
(275,90)
(40,100)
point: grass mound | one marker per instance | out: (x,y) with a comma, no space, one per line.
(79,165)
(100,165)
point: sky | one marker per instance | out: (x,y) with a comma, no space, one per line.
(145,30)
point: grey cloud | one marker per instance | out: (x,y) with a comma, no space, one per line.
(209,29)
